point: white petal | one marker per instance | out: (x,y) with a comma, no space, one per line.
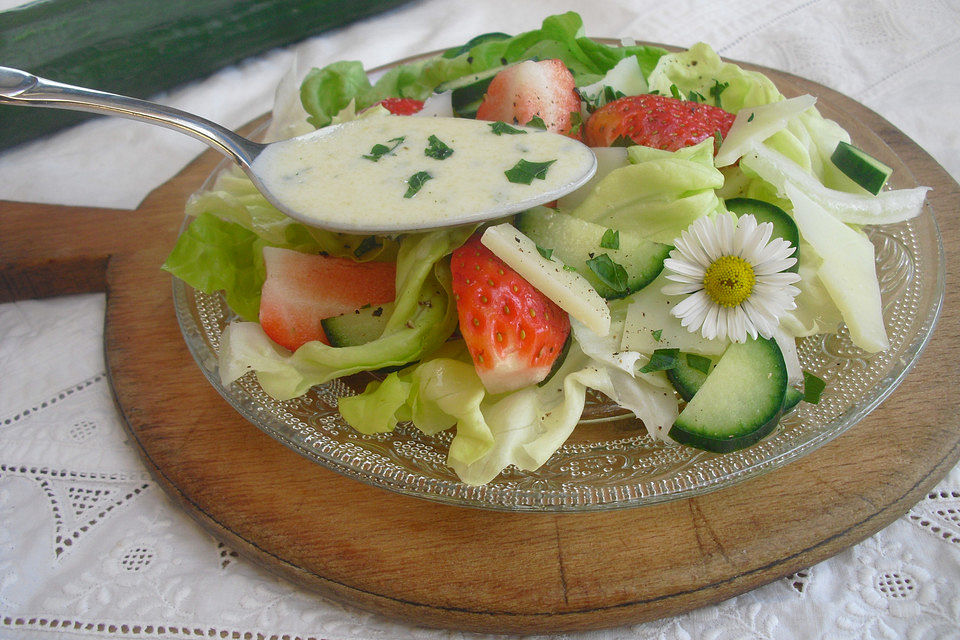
(773,294)
(688,304)
(745,237)
(778,249)
(711,324)
(679,277)
(689,249)
(708,239)
(735,328)
(753,248)
(685,267)
(779,279)
(693,312)
(681,288)
(748,327)
(773,266)
(758,319)
(726,234)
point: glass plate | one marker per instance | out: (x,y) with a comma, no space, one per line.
(610,461)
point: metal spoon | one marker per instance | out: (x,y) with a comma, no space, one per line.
(24,89)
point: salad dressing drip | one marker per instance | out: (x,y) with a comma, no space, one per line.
(378,172)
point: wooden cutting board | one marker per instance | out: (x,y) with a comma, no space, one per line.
(462,568)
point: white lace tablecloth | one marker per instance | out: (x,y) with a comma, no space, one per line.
(91,547)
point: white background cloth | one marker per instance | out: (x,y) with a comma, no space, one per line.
(91,547)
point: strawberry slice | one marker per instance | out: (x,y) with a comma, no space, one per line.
(513,332)
(401,106)
(656,121)
(528,89)
(302,289)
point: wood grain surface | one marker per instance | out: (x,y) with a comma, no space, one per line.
(461,568)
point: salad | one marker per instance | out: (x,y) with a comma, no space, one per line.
(723,224)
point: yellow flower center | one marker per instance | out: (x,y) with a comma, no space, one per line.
(729,281)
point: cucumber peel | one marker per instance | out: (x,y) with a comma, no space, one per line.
(739,403)
(861,167)
(357,327)
(578,242)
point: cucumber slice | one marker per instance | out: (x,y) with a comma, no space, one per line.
(685,379)
(783,225)
(357,327)
(575,241)
(861,167)
(739,403)
(466,93)
(791,399)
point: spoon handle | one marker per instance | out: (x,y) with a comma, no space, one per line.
(27,90)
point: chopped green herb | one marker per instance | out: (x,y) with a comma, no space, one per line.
(750,119)
(546,253)
(610,94)
(610,273)
(500,128)
(655,92)
(661,360)
(415,183)
(698,362)
(812,387)
(675,92)
(567,267)
(718,88)
(377,151)
(657,333)
(717,141)
(610,239)
(524,172)
(537,123)
(623,141)
(576,121)
(695,96)
(366,245)
(437,149)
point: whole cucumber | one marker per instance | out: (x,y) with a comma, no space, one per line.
(141,47)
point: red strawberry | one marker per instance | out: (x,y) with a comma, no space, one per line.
(656,121)
(401,106)
(302,289)
(513,332)
(528,89)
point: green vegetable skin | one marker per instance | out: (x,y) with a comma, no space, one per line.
(739,403)
(123,47)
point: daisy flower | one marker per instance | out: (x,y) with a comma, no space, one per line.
(734,278)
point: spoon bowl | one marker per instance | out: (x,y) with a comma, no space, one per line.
(340,178)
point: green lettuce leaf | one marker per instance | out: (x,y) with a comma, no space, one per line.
(523,428)
(657,196)
(424,316)
(233,198)
(724,84)
(325,92)
(216,255)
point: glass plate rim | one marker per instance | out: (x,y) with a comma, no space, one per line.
(528,500)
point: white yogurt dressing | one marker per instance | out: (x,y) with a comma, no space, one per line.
(325,178)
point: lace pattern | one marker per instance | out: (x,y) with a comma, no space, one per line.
(90,547)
